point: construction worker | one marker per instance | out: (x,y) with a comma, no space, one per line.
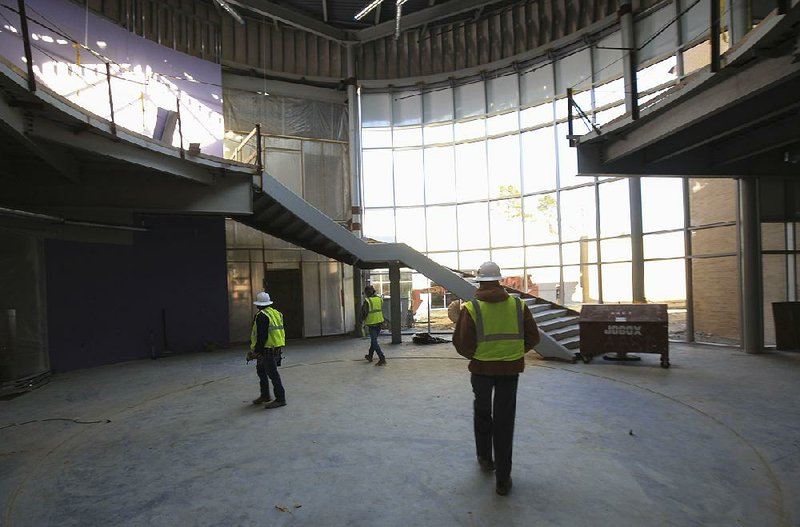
(266,342)
(372,315)
(495,331)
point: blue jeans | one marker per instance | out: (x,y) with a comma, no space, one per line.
(374,330)
(267,368)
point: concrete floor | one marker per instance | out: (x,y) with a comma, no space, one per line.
(714,440)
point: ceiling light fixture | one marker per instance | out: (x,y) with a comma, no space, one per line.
(372,5)
(227,7)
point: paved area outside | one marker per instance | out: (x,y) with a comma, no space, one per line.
(714,440)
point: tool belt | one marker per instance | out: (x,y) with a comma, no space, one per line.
(259,356)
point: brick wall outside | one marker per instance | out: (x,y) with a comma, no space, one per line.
(715,280)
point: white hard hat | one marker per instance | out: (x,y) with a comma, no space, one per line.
(488,272)
(263,299)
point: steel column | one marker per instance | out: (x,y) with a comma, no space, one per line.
(738,20)
(713,34)
(630,64)
(354,146)
(637,243)
(751,291)
(394,290)
(26,43)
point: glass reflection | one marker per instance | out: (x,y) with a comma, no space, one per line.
(615,215)
(504,161)
(440,176)
(409,177)
(578,214)
(539,160)
(541,219)
(473,226)
(471,180)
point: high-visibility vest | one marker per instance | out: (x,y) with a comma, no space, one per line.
(276,337)
(375,312)
(500,329)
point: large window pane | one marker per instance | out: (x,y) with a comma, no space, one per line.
(472,260)
(617,286)
(665,281)
(662,204)
(667,245)
(437,105)
(656,74)
(567,160)
(411,136)
(473,226)
(536,115)
(440,176)
(546,283)
(584,251)
(537,85)
(470,100)
(578,214)
(542,255)
(506,223)
(774,284)
(378,178)
(718,240)
(581,285)
(449,260)
(574,71)
(608,62)
(442,133)
(504,167)
(411,227)
(473,129)
(471,181)
(716,301)
(502,93)
(379,224)
(503,123)
(584,101)
(651,41)
(508,258)
(376,109)
(773,237)
(376,137)
(606,116)
(409,179)
(609,93)
(712,201)
(539,160)
(541,219)
(615,216)
(441,226)
(407,108)
(615,249)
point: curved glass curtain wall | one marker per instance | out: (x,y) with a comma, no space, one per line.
(483,170)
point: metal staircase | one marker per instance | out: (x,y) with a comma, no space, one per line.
(560,323)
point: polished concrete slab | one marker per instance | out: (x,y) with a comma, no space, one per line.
(714,440)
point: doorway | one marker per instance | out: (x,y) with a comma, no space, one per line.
(285,287)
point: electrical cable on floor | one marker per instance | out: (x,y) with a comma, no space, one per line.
(76,421)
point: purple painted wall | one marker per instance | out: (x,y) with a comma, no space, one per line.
(108,303)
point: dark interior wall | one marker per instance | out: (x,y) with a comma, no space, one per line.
(111,303)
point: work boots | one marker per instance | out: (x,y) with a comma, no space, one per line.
(381,362)
(262,400)
(368,357)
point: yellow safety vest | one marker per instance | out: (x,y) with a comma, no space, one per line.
(276,337)
(500,329)
(375,313)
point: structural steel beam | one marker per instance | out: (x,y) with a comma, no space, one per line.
(292,18)
(420,18)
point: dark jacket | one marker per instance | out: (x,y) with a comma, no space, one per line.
(466,341)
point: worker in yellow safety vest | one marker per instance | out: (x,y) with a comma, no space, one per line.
(372,316)
(495,331)
(267,339)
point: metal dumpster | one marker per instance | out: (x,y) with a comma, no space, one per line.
(623,329)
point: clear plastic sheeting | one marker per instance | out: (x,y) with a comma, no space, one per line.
(284,115)
(23,335)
